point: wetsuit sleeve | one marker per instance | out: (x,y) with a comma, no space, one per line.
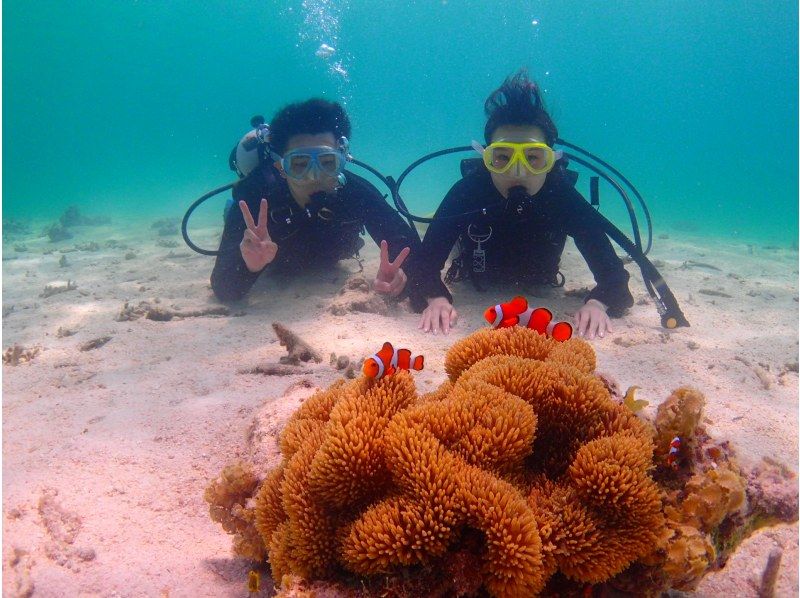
(440,238)
(595,247)
(230,279)
(383,223)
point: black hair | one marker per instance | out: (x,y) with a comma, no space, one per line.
(308,118)
(517,102)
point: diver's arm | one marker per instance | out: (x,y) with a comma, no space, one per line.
(439,240)
(595,247)
(231,279)
(383,223)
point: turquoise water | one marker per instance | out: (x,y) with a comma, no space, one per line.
(131,107)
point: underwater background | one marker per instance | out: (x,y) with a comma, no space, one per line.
(130,108)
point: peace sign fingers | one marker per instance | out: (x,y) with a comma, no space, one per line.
(391,279)
(260,229)
(263,213)
(387,267)
(401,257)
(248,217)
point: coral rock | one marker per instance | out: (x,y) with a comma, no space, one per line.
(227,497)
(521,465)
(520,342)
(678,416)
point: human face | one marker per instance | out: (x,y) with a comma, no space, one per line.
(518,176)
(316,181)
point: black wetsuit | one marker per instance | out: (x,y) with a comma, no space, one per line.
(523,248)
(306,242)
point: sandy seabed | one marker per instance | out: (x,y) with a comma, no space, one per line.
(109,446)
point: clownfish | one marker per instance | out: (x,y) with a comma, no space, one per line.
(539,319)
(506,314)
(388,360)
(674,452)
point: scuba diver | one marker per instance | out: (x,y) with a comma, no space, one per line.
(298,209)
(511,217)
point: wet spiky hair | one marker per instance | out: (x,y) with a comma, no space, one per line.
(308,118)
(518,102)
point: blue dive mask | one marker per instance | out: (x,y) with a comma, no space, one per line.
(313,162)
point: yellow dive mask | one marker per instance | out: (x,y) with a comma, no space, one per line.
(534,156)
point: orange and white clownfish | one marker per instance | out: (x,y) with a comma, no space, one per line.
(387,361)
(674,452)
(540,319)
(506,314)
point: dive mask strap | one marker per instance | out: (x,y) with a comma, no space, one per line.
(344,147)
(262,133)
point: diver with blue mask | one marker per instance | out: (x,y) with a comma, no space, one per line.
(298,209)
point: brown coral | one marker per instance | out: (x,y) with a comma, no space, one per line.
(227,497)
(711,496)
(521,342)
(609,509)
(706,501)
(678,416)
(689,554)
(572,408)
(17,354)
(522,454)
(440,492)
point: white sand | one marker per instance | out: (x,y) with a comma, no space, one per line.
(107,452)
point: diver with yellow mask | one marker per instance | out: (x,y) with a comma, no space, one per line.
(511,218)
(298,209)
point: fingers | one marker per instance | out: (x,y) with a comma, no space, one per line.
(384,253)
(381,286)
(385,263)
(401,257)
(425,321)
(431,323)
(263,213)
(398,283)
(435,319)
(594,326)
(591,322)
(586,324)
(603,325)
(250,238)
(390,267)
(248,217)
(444,321)
(581,322)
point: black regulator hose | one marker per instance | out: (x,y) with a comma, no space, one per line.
(184,225)
(392,186)
(191,209)
(621,177)
(666,304)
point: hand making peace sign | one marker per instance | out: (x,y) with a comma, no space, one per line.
(391,279)
(257,248)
